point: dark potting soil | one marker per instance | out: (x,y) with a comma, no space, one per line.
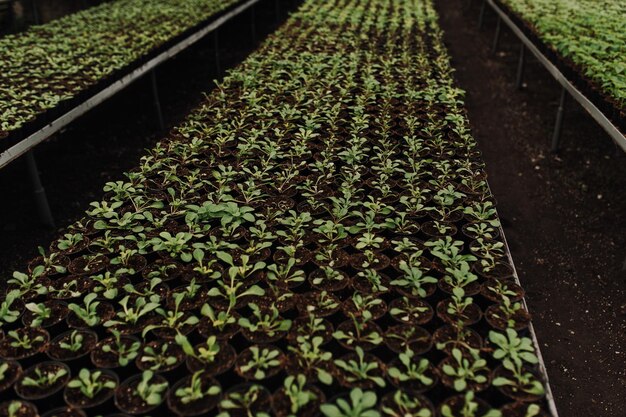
(564,215)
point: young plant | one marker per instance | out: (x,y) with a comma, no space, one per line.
(310,357)
(374,279)
(28,283)
(150,393)
(219,319)
(460,276)
(458,304)
(205,268)
(413,280)
(242,403)
(91,383)
(358,333)
(512,347)
(123,351)
(4,367)
(297,393)
(473,369)
(285,274)
(88,312)
(483,212)
(266,322)
(520,380)
(50,262)
(44,379)
(233,290)
(364,302)
(407,310)
(75,342)
(157,358)
(412,369)
(41,313)
(106,285)
(70,241)
(176,246)
(329,231)
(173,319)
(243,270)
(330,275)
(264,360)
(507,310)
(7,315)
(205,353)
(405,405)
(23,341)
(130,315)
(361,404)
(360,370)
(469,409)
(195,390)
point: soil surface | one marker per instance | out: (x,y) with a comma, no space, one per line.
(104,143)
(564,214)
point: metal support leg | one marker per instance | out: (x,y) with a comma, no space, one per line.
(157,102)
(41,200)
(519,80)
(35,11)
(216,50)
(481,17)
(556,136)
(496,38)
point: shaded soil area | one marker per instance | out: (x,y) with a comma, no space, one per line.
(564,214)
(75,163)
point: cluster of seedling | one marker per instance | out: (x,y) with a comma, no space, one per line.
(48,66)
(317,239)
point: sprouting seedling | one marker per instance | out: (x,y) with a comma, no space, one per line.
(44,379)
(361,369)
(91,383)
(470,408)
(309,355)
(263,360)
(411,370)
(41,313)
(269,322)
(297,393)
(195,390)
(124,351)
(88,312)
(464,370)
(4,367)
(75,342)
(406,405)
(157,358)
(23,341)
(361,404)
(512,346)
(7,315)
(150,393)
